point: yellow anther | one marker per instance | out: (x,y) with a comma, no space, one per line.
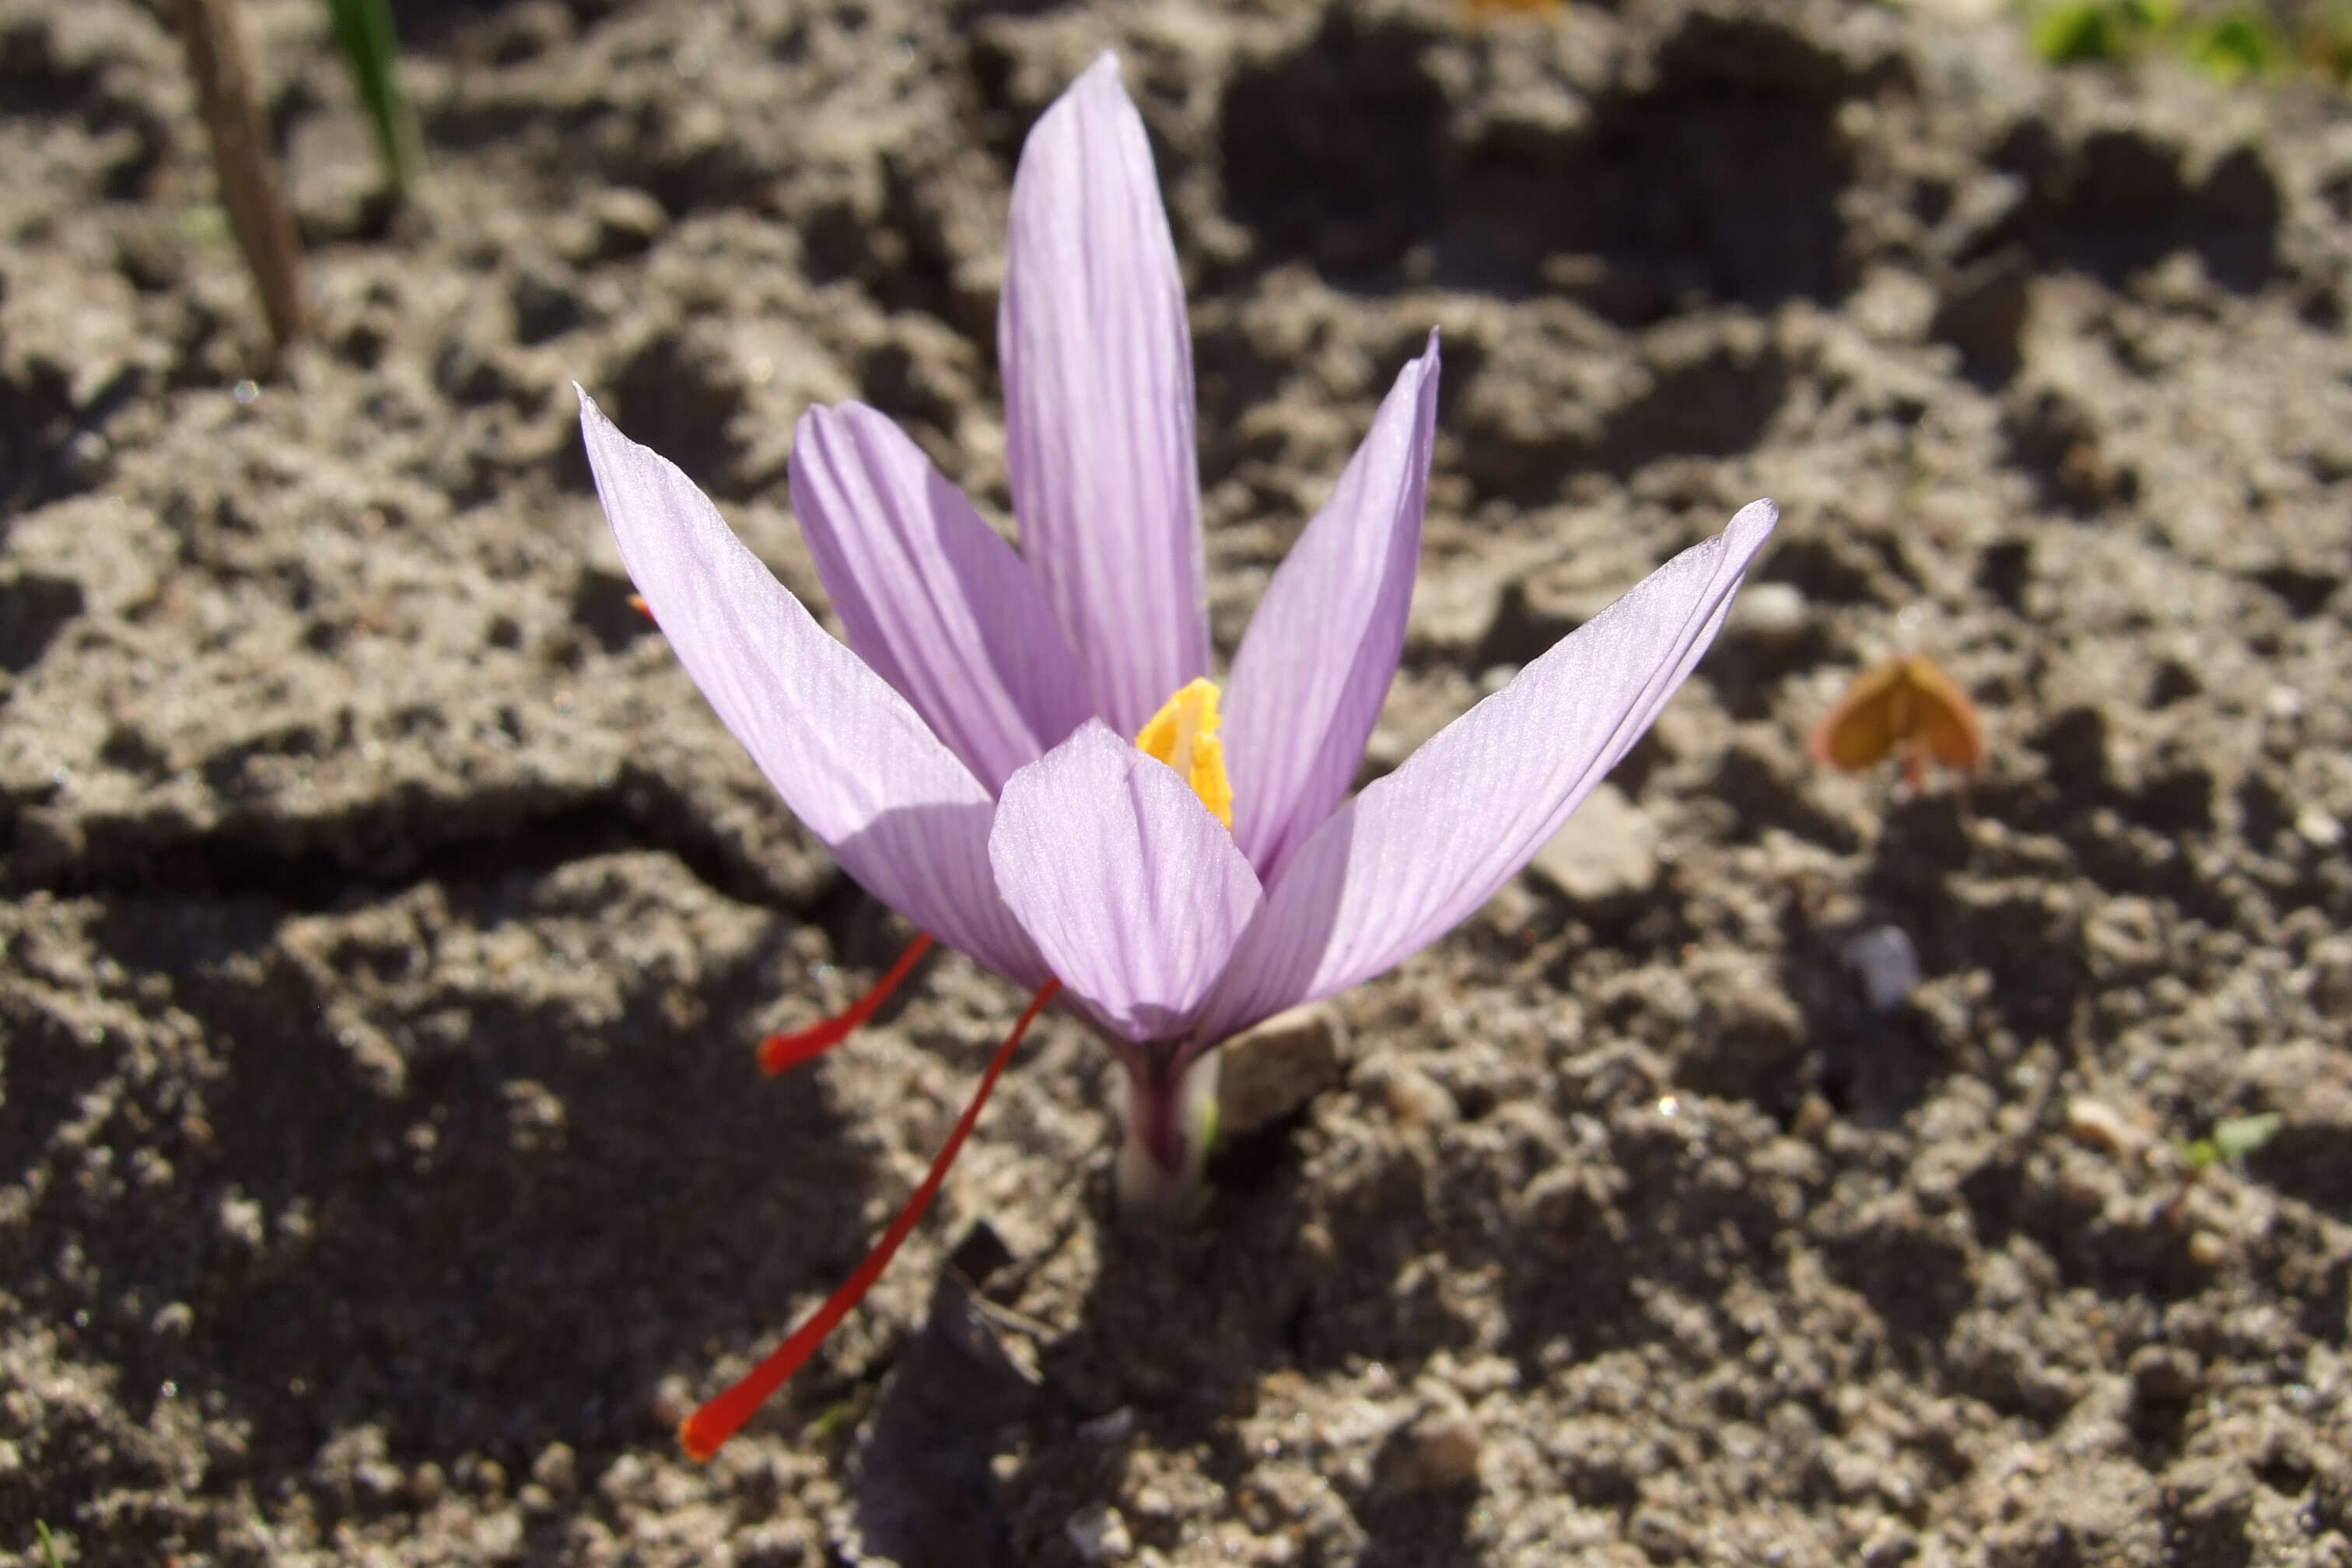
(1184,734)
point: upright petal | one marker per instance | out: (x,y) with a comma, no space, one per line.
(848,755)
(1133,892)
(1098,363)
(1322,649)
(933,600)
(1406,860)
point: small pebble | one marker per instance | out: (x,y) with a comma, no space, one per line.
(557,1469)
(2317,829)
(1770,613)
(1417,1099)
(2098,1125)
(1884,964)
(1100,1534)
(2207,1250)
(672,1402)
(1116,1427)
(1438,1450)
(1814,1117)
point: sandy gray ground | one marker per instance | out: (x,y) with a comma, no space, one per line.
(382,1165)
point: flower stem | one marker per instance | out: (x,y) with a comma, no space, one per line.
(1172,1124)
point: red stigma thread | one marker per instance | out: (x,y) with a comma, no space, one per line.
(701,1433)
(779,1053)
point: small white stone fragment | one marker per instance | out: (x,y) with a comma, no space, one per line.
(1116,1427)
(1770,613)
(1886,963)
(2317,829)
(2098,1125)
(1100,1534)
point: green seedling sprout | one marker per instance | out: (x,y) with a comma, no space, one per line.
(49,1543)
(2230,1140)
(839,1416)
(363,31)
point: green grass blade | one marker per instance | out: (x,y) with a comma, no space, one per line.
(371,47)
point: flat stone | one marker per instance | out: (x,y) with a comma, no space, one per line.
(1606,852)
(1271,1071)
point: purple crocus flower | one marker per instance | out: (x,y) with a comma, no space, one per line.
(1019,753)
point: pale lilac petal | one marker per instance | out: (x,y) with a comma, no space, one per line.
(1322,649)
(1097,365)
(848,755)
(1409,858)
(1132,890)
(932,599)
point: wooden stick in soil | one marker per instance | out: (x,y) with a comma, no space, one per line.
(248,182)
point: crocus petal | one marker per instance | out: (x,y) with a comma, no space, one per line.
(1406,860)
(849,756)
(1322,649)
(1132,890)
(932,599)
(1098,363)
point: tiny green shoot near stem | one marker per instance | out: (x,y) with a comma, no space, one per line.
(49,1543)
(363,30)
(836,1418)
(2232,1141)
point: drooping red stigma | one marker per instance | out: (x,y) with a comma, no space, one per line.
(701,1433)
(782,1052)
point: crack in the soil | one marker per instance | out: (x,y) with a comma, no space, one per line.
(381,847)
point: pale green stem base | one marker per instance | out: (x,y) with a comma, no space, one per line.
(1171,1117)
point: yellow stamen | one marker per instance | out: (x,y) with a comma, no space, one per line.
(1184,734)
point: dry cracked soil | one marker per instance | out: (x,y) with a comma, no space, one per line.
(387,923)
